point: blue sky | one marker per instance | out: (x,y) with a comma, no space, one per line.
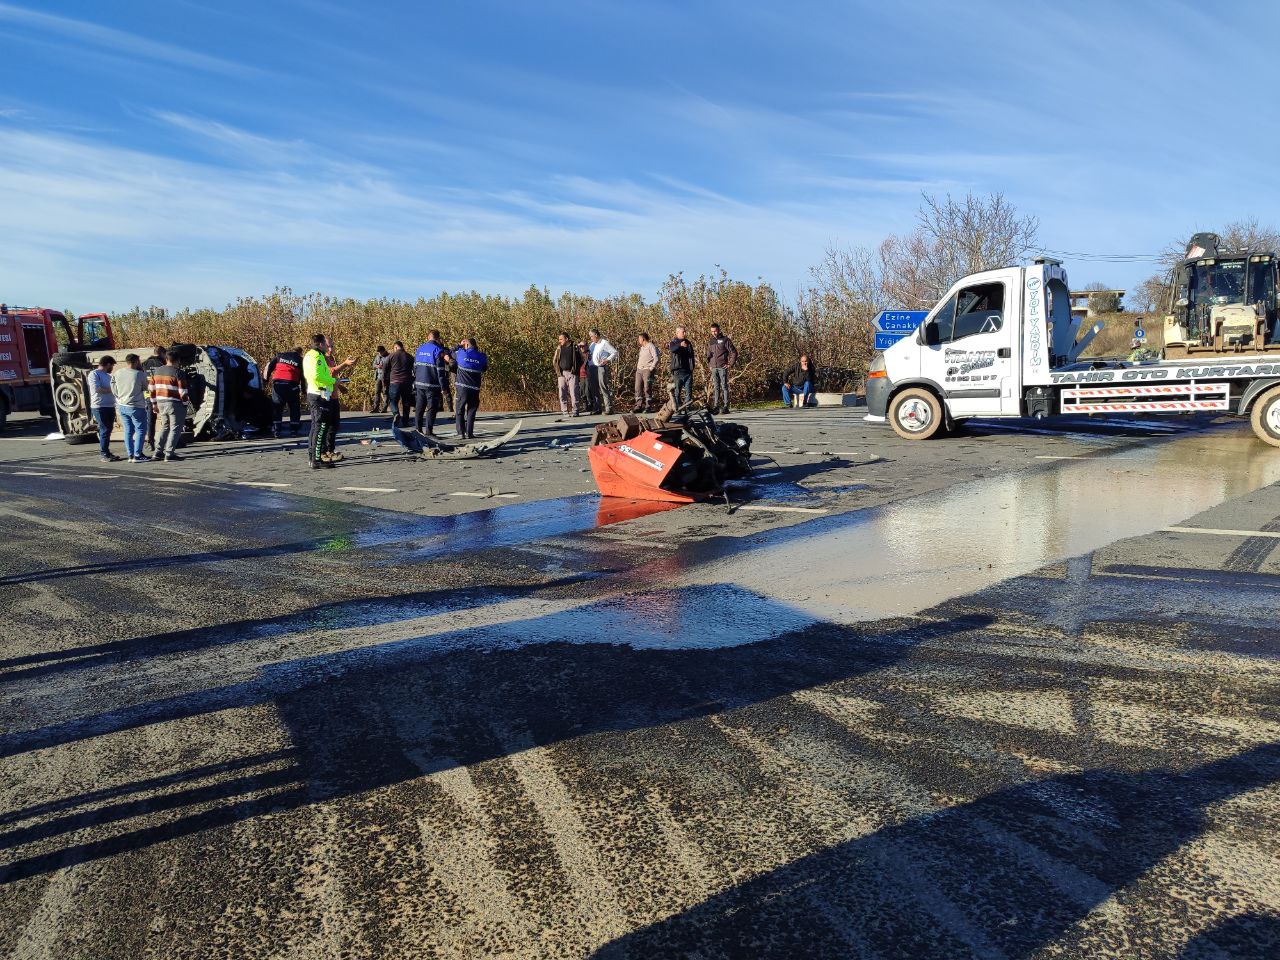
(186,153)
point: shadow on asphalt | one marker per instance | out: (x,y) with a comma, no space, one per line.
(373,717)
(901,891)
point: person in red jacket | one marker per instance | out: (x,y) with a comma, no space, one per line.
(284,373)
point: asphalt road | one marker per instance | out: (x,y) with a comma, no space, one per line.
(1008,694)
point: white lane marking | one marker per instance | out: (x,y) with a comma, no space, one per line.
(765,508)
(506,494)
(1214,531)
(100,475)
(466,493)
(370,489)
(260,483)
(1044,456)
(172,479)
(28,473)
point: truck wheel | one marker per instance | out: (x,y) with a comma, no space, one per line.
(4,412)
(916,414)
(1266,417)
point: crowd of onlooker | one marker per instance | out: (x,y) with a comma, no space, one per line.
(150,397)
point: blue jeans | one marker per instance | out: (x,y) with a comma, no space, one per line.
(135,428)
(789,392)
(105,418)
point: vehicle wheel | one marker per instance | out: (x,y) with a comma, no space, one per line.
(77,438)
(4,412)
(916,414)
(1265,417)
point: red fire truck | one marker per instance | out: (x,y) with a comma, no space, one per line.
(29,338)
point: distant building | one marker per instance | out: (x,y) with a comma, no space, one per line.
(1080,301)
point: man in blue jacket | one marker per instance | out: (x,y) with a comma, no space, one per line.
(471,367)
(429,360)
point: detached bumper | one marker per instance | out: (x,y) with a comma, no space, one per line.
(878,390)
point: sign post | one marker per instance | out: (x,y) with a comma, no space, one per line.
(893,325)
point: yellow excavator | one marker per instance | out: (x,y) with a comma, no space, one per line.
(1223,301)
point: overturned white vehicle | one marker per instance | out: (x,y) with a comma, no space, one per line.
(226,399)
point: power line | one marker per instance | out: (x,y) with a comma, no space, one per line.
(1106,257)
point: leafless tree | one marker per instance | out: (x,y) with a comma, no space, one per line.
(954,238)
(1155,293)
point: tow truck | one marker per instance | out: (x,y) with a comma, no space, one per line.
(30,339)
(1003,344)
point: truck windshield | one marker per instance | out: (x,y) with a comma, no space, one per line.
(1218,282)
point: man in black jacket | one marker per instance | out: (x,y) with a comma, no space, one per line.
(721,356)
(397,373)
(566,362)
(681,352)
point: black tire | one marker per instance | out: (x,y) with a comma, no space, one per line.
(4,412)
(916,414)
(76,439)
(1265,417)
(72,358)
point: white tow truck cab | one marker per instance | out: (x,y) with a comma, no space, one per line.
(1003,343)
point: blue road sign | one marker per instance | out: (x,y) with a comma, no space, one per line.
(1139,334)
(886,340)
(900,321)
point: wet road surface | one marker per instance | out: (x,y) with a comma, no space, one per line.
(1029,714)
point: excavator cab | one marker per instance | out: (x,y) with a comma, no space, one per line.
(1223,301)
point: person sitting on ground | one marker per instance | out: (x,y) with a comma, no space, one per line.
(129,386)
(798,381)
(471,367)
(168,387)
(102,405)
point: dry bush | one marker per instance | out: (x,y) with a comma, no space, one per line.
(1117,334)
(519,334)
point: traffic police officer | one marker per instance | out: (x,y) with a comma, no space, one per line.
(429,360)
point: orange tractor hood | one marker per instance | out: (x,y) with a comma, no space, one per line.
(637,468)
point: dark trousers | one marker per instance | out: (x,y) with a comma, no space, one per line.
(335,419)
(593,389)
(322,426)
(604,387)
(398,398)
(426,400)
(105,418)
(719,388)
(681,387)
(378,406)
(465,416)
(285,394)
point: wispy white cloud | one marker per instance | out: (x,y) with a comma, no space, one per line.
(117,226)
(118,41)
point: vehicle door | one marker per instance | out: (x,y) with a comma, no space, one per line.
(970,349)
